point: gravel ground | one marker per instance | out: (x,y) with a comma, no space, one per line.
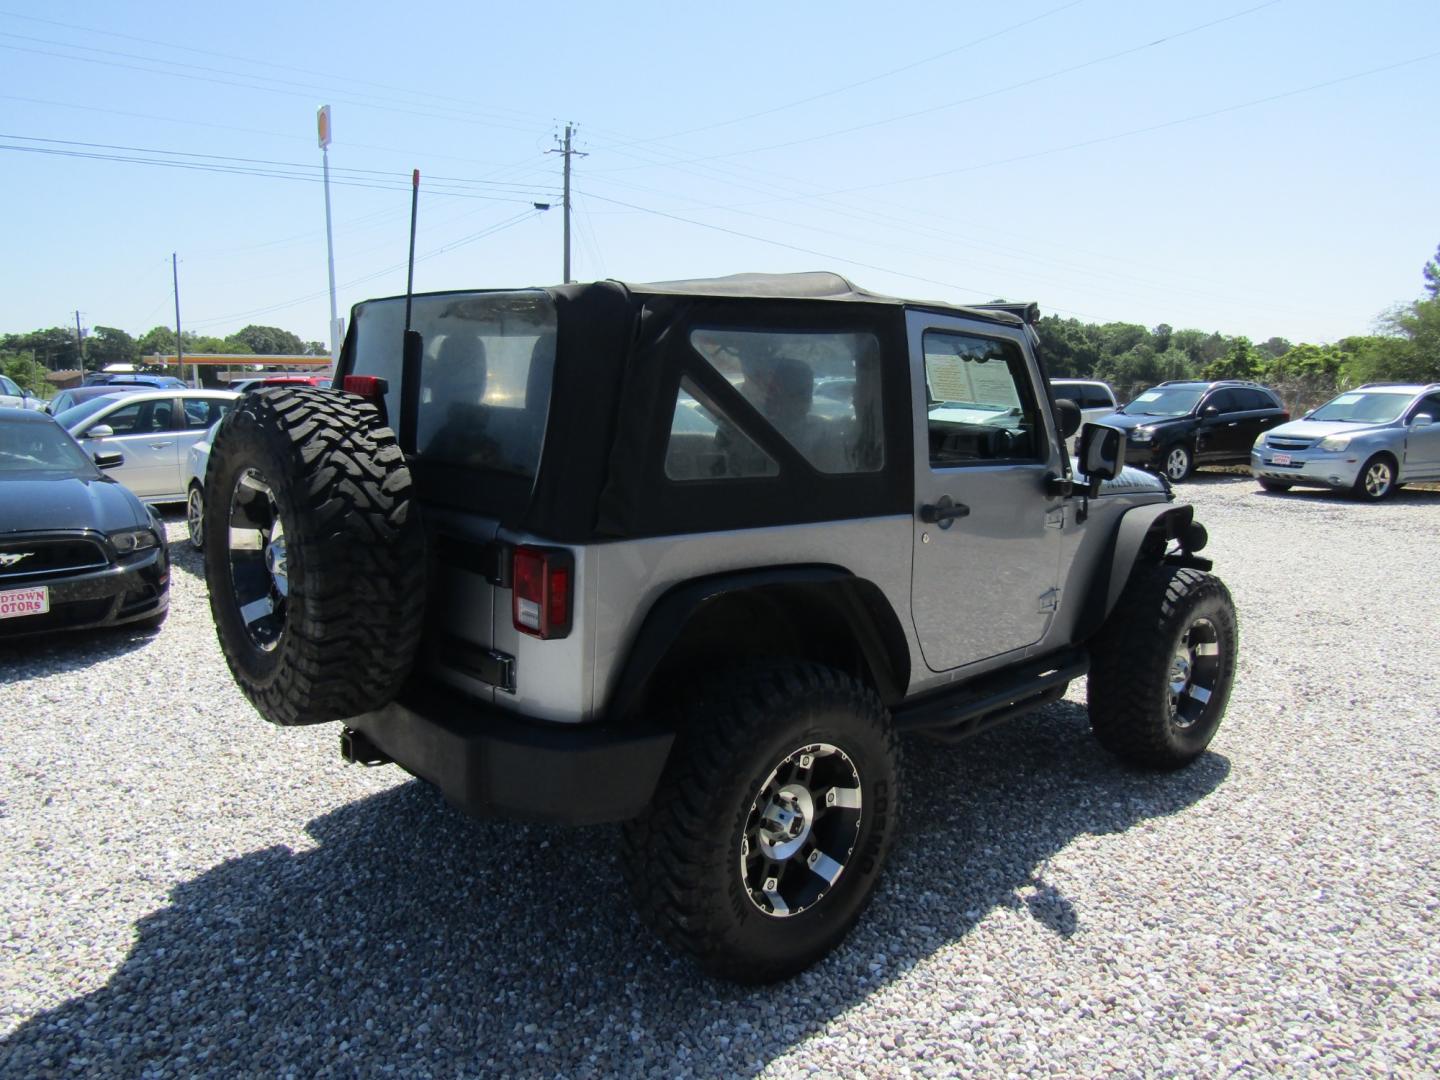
(187,891)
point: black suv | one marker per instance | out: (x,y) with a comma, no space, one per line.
(1176,426)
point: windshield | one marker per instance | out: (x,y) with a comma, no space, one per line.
(43,449)
(1363,408)
(484,373)
(1177,402)
(70,418)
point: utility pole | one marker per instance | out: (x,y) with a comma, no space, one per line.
(569,153)
(179,348)
(79,343)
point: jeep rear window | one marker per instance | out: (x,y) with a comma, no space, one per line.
(485,373)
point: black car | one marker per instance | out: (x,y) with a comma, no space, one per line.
(76,549)
(1177,426)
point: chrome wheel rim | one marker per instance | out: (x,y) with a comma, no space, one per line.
(1177,464)
(801,830)
(195,517)
(259,567)
(1193,674)
(1377,479)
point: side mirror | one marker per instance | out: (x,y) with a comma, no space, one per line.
(1101,450)
(108,460)
(1423,419)
(1069,416)
(1209,411)
(100,431)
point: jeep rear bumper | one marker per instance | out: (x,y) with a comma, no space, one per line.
(493,763)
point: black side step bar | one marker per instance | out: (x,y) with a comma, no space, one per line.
(954,715)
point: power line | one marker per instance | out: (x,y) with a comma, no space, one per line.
(1094,61)
(389,89)
(491,230)
(860,82)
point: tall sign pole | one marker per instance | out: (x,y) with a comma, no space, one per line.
(179,347)
(322,122)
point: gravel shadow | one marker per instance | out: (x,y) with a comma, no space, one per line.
(21,659)
(413,939)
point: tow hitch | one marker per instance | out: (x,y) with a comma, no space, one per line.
(357,749)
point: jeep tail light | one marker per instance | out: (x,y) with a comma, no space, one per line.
(541,587)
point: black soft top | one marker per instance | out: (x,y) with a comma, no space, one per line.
(621,351)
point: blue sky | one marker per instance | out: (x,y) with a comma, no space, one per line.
(1258,167)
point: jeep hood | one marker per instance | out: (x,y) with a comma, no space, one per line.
(1131,481)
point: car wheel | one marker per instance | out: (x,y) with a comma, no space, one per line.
(1179,463)
(1162,667)
(314,555)
(195,517)
(1274,485)
(1376,479)
(770,826)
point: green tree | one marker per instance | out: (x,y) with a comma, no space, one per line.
(107,345)
(1240,362)
(27,371)
(267,341)
(316,348)
(54,348)
(1432,276)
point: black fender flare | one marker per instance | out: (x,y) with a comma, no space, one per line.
(1170,519)
(857,604)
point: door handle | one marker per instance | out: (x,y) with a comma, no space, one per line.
(943,512)
(158,445)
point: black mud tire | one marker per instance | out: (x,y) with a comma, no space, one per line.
(1164,613)
(342,638)
(683,858)
(1376,480)
(1274,485)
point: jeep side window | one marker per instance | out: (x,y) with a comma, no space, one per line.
(705,444)
(819,390)
(981,408)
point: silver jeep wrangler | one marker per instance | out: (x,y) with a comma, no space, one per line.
(692,556)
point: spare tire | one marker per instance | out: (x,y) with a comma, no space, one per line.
(314,554)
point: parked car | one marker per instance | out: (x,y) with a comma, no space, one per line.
(154,429)
(15,396)
(195,463)
(1176,427)
(131,378)
(68,399)
(1094,398)
(76,549)
(241,385)
(1368,441)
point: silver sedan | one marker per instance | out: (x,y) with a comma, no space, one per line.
(154,430)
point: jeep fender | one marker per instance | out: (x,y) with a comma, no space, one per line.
(1167,520)
(847,613)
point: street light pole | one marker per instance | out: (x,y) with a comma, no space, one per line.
(323,124)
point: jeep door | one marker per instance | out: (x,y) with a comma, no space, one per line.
(987,536)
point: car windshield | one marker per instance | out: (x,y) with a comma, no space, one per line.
(1377,407)
(71,417)
(1179,401)
(45,449)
